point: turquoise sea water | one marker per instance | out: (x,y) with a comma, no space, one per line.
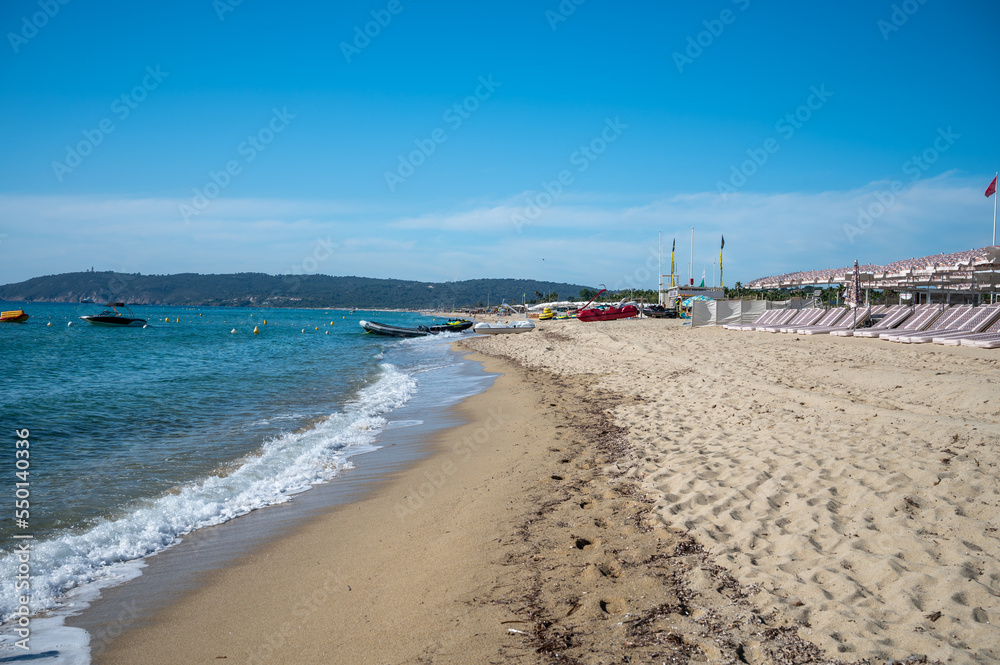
(140,435)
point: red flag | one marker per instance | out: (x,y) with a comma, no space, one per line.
(992,189)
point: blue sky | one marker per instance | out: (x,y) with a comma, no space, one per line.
(547,140)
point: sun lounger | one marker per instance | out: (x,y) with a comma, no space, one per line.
(973,321)
(951,319)
(829,318)
(891,321)
(990,342)
(799,316)
(982,338)
(767,317)
(785,316)
(918,322)
(847,322)
(806,317)
(892,316)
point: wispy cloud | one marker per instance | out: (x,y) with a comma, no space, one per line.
(585,238)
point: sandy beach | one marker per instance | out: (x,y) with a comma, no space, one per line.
(638,491)
(853,482)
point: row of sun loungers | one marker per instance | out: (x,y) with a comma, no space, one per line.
(928,324)
(894,315)
(989,338)
(809,321)
(961,325)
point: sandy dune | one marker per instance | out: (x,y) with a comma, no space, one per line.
(855,481)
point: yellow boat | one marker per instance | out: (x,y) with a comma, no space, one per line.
(546,314)
(13,316)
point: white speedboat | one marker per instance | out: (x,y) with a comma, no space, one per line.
(112,317)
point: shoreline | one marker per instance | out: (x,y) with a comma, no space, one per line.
(519,538)
(581,515)
(319,573)
(169,574)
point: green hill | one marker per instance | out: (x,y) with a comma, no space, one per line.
(261,290)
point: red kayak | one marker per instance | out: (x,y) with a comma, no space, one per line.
(619,311)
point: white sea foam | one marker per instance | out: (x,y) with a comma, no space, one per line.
(283,467)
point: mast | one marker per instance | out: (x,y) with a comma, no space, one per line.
(995,196)
(691,265)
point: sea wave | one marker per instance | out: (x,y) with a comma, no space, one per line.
(283,467)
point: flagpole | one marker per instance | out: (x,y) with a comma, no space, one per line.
(995,196)
(691,265)
(659,266)
(673,268)
(721,283)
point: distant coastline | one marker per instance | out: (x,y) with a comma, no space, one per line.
(279,291)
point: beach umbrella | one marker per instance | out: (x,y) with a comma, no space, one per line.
(690,301)
(853,294)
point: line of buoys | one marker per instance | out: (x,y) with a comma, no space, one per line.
(256,331)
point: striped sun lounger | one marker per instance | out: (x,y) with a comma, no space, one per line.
(918,322)
(974,321)
(765,318)
(785,316)
(952,318)
(892,321)
(892,316)
(845,323)
(829,318)
(987,338)
(799,317)
(815,314)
